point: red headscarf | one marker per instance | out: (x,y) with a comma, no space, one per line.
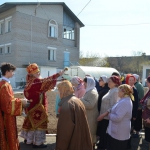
(127,78)
(116,80)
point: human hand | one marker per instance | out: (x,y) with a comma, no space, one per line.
(100,117)
(61,72)
(134,118)
(148,120)
(25,103)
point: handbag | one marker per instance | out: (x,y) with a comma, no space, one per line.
(37,115)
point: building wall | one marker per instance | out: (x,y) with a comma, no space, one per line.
(29,36)
(9,37)
(47,71)
(146,73)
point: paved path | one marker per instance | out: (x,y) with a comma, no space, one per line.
(137,143)
(50,144)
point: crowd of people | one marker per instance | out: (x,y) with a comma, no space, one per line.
(102,115)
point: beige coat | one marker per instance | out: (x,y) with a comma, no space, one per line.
(72,128)
(90,100)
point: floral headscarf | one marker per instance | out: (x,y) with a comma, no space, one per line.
(65,89)
(127,89)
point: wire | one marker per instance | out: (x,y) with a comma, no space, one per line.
(60,23)
(119,25)
(83,8)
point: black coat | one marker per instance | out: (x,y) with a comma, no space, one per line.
(135,103)
(102,92)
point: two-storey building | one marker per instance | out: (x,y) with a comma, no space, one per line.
(46,33)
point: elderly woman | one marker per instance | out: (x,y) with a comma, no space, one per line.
(90,102)
(140,90)
(108,100)
(78,85)
(146,112)
(103,90)
(130,80)
(119,120)
(72,128)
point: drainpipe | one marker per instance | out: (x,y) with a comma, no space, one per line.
(31,43)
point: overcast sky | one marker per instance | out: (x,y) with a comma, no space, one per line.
(112,27)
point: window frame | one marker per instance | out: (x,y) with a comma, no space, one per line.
(6,46)
(7,27)
(52,25)
(1,26)
(49,53)
(69,34)
(1,52)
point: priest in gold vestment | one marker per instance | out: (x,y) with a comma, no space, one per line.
(35,124)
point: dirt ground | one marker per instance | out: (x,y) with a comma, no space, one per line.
(51,112)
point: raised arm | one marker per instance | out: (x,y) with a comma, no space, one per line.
(49,83)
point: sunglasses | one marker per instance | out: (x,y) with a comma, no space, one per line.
(100,80)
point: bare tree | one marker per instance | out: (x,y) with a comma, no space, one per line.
(93,59)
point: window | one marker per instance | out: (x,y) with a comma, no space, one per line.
(1,49)
(8,24)
(52,29)
(8,48)
(1,26)
(51,53)
(68,27)
(68,33)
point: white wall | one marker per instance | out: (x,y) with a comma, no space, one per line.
(12,81)
(47,71)
(20,74)
(145,67)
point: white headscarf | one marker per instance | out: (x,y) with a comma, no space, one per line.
(136,76)
(90,84)
(105,79)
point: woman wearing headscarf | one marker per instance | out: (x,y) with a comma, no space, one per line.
(90,102)
(140,90)
(119,120)
(146,112)
(108,100)
(130,80)
(103,90)
(72,128)
(78,85)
